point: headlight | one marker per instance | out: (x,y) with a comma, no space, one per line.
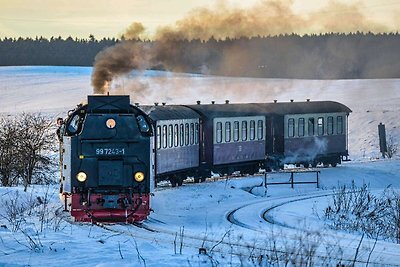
(81,177)
(139,177)
(110,123)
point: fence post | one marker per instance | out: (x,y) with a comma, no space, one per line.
(265,183)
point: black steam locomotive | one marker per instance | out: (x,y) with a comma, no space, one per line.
(106,161)
(114,153)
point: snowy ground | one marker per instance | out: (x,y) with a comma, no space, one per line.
(201,211)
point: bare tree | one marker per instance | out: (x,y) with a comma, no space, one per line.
(36,141)
(391,147)
(27,142)
(8,165)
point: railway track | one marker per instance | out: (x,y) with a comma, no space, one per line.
(268,220)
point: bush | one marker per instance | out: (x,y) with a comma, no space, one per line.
(356,209)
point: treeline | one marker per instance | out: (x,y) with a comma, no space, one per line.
(55,51)
(323,56)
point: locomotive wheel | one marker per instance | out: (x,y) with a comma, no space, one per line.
(180,181)
(334,164)
(172,180)
(306,165)
(314,164)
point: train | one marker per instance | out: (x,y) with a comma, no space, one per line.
(113,153)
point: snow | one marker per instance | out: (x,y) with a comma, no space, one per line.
(200,211)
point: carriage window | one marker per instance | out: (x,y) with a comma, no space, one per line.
(340,125)
(176,132)
(291,128)
(244,130)
(320,126)
(260,129)
(186,134)
(181,135)
(227,131)
(252,130)
(158,137)
(164,136)
(330,125)
(235,131)
(301,127)
(196,134)
(311,126)
(170,136)
(219,132)
(192,133)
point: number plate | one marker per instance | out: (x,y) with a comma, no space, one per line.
(110,151)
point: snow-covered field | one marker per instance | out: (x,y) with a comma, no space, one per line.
(196,215)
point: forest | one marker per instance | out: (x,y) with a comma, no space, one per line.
(323,56)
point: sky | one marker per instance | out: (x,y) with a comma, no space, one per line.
(105,18)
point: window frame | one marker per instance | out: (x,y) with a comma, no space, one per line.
(236,131)
(320,126)
(191,136)
(158,136)
(252,130)
(291,128)
(196,133)
(329,125)
(260,130)
(340,125)
(228,131)
(187,137)
(301,127)
(164,137)
(176,135)
(311,126)
(170,136)
(181,134)
(218,132)
(244,130)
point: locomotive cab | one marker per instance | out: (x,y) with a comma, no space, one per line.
(104,174)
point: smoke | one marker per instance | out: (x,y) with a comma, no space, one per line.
(265,18)
(308,152)
(135,31)
(117,60)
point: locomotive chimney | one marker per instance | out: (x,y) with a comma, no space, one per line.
(291,100)
(163,103)
(308,100)
(213,102)
(226,101)
(198,102)
(156,104)
(275,101)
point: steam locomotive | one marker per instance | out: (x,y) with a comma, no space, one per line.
(106,149)
(114,153)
